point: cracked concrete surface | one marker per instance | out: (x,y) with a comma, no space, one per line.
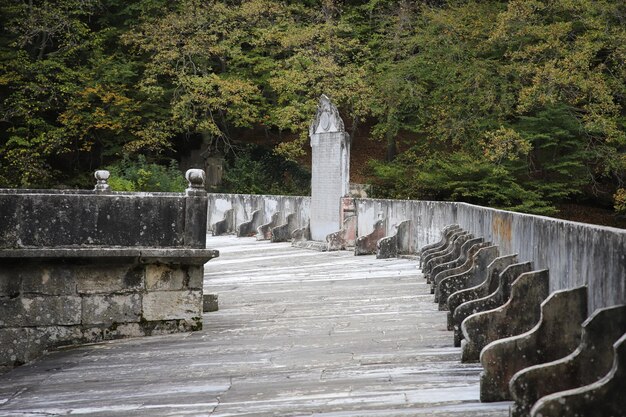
(298,333)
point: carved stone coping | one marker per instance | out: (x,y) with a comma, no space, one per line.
(456,279)
(264,232)
(441,271)
(450,238)
(590,362)
(555,335)
(366,245)
(478,275)
(225,225)
(99,254)
(466,298)
(602,398)
(248,229)
(520,313)
(344,238)
(283,232)
(450,254)
(475,327)
(445,232)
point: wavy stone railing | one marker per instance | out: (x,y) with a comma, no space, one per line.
(534,348)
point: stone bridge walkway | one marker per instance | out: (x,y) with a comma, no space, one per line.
(298,333)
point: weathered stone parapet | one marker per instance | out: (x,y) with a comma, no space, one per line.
(426,257)
(590,362)
(556,335)
(225,226)
(344,238)
(478,276)
(455,266)
(602,398)
(249,228)
(456,279)
(517,315)
(433,247)
(474,327)
(366,245)
(264,232)
(79,267)
(396,244)
(450,254)
(466,302)
(283,232)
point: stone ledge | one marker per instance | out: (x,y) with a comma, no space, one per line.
(141,254)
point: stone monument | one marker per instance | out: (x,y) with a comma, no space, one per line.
(330,169)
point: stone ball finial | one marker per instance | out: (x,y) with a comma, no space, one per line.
(196,179)
(102,178)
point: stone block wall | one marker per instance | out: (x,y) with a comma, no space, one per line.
(85,267)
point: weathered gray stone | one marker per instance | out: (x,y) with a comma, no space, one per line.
(517,315)
(108,309)
(366,245)
(226,225)
(249,228)
(470,300)
(437,246)
(405,231)
(344,238)
(24,344)
(449,247)
(10,281)
(102,178)
(330,169)
(481,275)
(264,232)
(600,399)
(165,277)
(556,335)
(455,266)
(473,327)
(301,234)
(456,279)
(31,310)
(387,247)
(283,232)
(590,362)
(172,305)
(209,303)
(447,260)
(101,279)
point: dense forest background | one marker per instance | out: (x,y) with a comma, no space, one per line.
(515,104)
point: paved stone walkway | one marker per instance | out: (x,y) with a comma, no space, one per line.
(299,333)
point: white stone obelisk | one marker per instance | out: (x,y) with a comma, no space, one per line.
(330,177)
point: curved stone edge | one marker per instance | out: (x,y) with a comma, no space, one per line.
(366,245)
(451,254)
(600,399)
(441,243)
(474,327)
(440,270)
(480,273)
(226,225)
(469,302)
(396,244)
(264,232)
(249,228)
(344,238)
(283,232)
(517,315)
(592,360)
(462,265)
(556,335)
(445,249)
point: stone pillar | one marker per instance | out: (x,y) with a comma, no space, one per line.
(330,169)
